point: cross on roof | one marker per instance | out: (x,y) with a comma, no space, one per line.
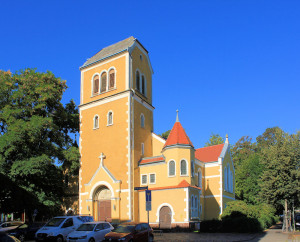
(102,157)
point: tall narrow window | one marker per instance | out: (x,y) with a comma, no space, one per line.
(200,179)
(142,121)
(111,79)
(142,149)
(225,178)
(103,82)
(96,122)
(172,168)
(137,80)
(143,85)
(109,118)
(183,168)
(96,84)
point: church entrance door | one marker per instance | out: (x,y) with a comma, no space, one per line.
(102,200)
(165,216)
(104,210)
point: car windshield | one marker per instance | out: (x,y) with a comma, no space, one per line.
(124,229)
(86,227)
(55,222)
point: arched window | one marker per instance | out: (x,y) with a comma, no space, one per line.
(96,122)
(103,82)
(143,86)
(137,80)
(142,121)
(172,168)
(199,178)
(183,168)
(143,149)
(228,177)
(109,118)
(196,206)
(112,77)
(95,84)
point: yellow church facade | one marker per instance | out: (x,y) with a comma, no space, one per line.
(119,150)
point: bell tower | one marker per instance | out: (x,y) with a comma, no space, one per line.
(116,121)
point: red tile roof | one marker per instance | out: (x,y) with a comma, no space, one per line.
(182,184)
(210,153)
(178,136)
(152,159)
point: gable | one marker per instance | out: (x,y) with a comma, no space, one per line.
(210,153)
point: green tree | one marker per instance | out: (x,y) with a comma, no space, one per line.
(281,174)
(242,150)
(247,178)
(215,139)
(36,141)
(165,135)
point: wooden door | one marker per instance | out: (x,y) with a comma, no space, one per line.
(165,216)
(104,210)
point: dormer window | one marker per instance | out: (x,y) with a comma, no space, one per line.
(95,84)
(103,82)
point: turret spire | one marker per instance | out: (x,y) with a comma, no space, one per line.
(177,119)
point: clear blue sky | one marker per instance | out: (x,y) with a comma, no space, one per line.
(228,66)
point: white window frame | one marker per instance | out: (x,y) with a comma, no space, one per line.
(142,118)
(94,127)
(92,82)
(142,148)
(142,179)
(150,178)
(169,168)
(108,78)
(187,168)
(112,118)
(100,82)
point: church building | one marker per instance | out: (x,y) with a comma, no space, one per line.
(119,150)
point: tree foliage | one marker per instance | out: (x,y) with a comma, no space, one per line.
(165,135)
(281,159)
(215,139)
(36,136)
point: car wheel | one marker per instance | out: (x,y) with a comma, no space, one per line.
(22,238)
(91,240)
(59,239)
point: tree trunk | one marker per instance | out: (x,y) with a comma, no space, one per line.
(285,216)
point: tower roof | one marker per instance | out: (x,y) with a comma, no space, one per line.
(111,50)
(178,136)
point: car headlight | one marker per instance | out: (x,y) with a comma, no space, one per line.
(122,239)
(50,234)
(82,237)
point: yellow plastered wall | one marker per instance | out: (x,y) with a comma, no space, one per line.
(174,198)
(95,141)
(157,145)
(119,63)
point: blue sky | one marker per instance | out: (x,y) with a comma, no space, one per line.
(228,66)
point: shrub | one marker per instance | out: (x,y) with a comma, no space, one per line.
(211,226)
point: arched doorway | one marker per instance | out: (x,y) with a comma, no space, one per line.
(102,204)
(165,217)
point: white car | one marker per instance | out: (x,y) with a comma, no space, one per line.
(58,228)
(90,232)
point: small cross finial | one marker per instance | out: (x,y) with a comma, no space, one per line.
(226,141)
(102,157)
(177,119)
